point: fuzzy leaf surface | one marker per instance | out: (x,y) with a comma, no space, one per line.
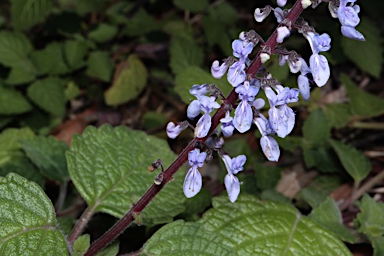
(109,169)
(27,220)
(247,227)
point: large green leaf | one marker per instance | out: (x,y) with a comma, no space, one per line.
(14,48)
(25,14)
(367,55)
(12,102)
(195,75)
(338,114)
(100,65)
(129,83)
(361,102)
(103,33)
(184,53)
(247,227)
(109,168)
(23,73)
(354,162)
(48,154)
(50,60)
(27,220)
(49,95)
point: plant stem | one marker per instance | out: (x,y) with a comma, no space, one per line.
(368,185)
(366,125)
(80,225)
(62,194)
(124,223)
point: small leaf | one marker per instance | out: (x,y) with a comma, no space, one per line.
(328,215)
(267,176)
(48,94)
(75,52)
(109,166)
(193,6)
(195,75)
(184,53)
(14,48)
(21,165)
(50,60)
(290,142)
(367,55)
(247,227)
(81,245)
(25,14)
(27,220)
(111,250)
(316,128)
(322,158)
(48,154)
(71,91)
(141,23)
(100,66)
(338,114)
(312,196)
(354,162)
(129,83)
(370,220)
(103,33)
(361,102)
(12,102)
(23,73)
(11,137)
(378,245)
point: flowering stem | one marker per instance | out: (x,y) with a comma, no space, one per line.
(136,209)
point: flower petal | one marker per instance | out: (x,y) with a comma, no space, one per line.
(270,148)
(232,185)
(192,183)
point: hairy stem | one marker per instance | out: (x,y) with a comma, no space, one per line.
(124,223)
(80,225)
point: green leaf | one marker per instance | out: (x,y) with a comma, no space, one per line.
(354,161)
(12,102)
(11,137)
(27,220)
(50,60)
(322,158)
(290,143)
(197,204)
(187,239)
(366,55)
(129,83)
(23,73)
(370,220)
(328,215)
(361,102)
(109,167)
(75,52)
(247,227)
(26,14)
(378,245)
(338,114)
(184,53)
(195,75)
(48,94)
(316,128)
(193,6)
(21,165)
(81,245)
(141,23)
(14,48)
(312,196)
(71,91)
(48,154)
(103,33)
(100,66)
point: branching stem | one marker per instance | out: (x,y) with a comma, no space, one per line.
(124,223)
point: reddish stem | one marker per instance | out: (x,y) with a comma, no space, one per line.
(124,223)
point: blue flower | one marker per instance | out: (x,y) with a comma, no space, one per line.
(236,73)
(227,125)
(231,182)
(349,19)
(199,90)
(193,181)
(302,80)
(243,113)
(217,70)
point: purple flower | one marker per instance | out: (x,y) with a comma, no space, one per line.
(193,181)
(281,2)
(270,148)
(217,70)
(193,109)
(349,19)
(303,83)
(199,90)
(231,182)
(227,125)
(319,69)
(208,104)
(203,126)
(243,113)
(174,130)
(282,32)
(261,13)
(236,73)
(263,124)
(279,14)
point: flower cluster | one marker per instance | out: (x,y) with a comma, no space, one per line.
(281,118)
